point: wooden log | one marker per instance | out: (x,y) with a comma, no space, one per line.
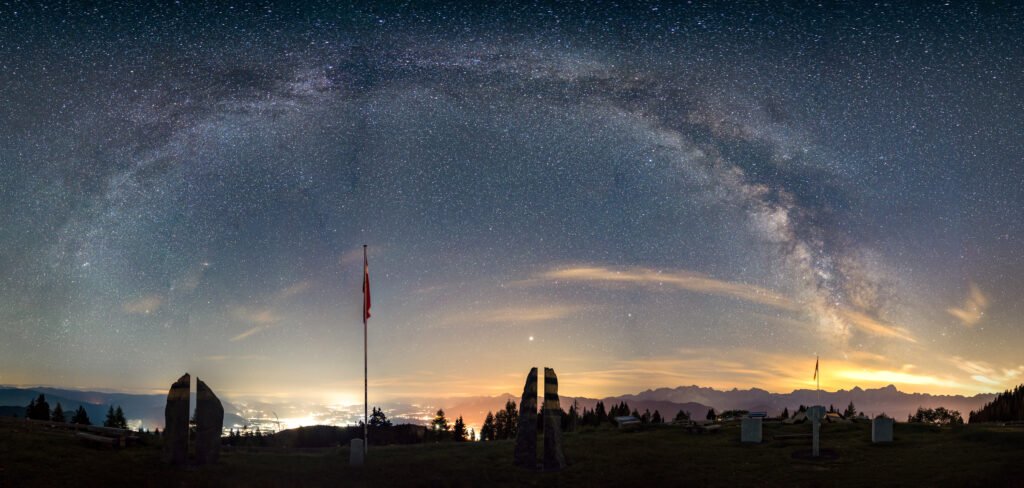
(98,439)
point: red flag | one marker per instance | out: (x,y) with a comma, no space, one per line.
(815,359)
(366,287)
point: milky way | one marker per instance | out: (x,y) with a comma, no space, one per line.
(635,196)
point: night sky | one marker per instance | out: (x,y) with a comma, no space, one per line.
(644,196)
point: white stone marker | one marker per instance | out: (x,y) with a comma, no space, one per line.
(355,452)
(815,413)
(881,429)
(750,430)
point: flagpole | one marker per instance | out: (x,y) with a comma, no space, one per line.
(366,389)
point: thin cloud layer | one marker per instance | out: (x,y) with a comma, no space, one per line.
(973,309)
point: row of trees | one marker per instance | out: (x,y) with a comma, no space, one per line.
(504,424)
(939,416)
(39,409)
(1007,406)
(440,430)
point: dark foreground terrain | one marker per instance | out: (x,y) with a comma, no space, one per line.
(972,455)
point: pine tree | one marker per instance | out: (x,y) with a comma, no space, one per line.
(599,411)
(58,414)
(711,414)
(38,409)
(111,420)
(459,431)
(682,416)
(81,417)
(487,431)
(511,419)
(119,419)
(850,411)
(501,425)
(785,413)
(440,423)
(656,418)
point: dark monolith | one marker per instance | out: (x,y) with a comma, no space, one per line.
(176,422)
(554,457)
(209,424)
(526,439)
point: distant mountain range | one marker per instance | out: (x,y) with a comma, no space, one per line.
(698,400)
(148,410)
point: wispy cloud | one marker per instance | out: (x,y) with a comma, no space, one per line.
(680,280)
(246,334)
(973,309)
(876,327)
(986,373)
(700,283)
(527,314)
(263,318)
(143,305)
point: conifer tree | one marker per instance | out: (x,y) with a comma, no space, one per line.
(81,417)
(119,420)
(459,433)
(111,420)
(58,414)
(440,423)
(487,431)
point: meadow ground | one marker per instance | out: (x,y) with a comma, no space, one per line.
(980,455)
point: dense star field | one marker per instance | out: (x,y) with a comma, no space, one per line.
(640,196)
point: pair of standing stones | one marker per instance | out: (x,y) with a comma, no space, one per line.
(526,439)
(209,423)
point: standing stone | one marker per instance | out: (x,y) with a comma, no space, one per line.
(526,439)
(881,429)
(554,458)
(355,452)
(209,424)
(750,429)
(176,422)
(815,413)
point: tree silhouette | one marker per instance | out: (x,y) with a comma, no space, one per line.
(58,414)
(682,416)
(487,432)
(850,411)
(80,417)
(711,414)
(378,419)
(1007,406)
(112,419)
(38,409)
(785,413)
(602,415)
(440,423)
(656,418)
(459,433)
(119,420)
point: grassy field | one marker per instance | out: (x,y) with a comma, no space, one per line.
(665,456)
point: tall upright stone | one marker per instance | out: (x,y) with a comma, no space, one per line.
(209,424)
(526,439)
(554,457)
(176,422)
